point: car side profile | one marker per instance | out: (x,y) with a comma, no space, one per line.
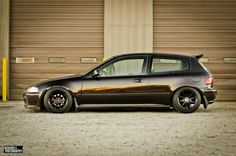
(129,80)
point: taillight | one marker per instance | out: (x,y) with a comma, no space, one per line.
(209,81)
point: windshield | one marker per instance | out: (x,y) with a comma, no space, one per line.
(94,67)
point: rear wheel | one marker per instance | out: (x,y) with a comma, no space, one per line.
(58,100)
(186,100)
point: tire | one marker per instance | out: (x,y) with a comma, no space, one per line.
(186,100)
(58,100)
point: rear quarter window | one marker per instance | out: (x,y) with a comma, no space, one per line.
(162,65)
(204,67)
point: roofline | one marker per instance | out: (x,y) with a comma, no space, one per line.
(155,53)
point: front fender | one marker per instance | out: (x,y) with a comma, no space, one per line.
(48,88)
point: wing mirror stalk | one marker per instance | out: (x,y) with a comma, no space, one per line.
(95,74)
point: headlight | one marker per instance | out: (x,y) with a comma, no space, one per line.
(32,89)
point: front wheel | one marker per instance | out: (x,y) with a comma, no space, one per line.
(186,100)
(58,100)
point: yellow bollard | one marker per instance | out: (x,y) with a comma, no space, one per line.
(4,79)
(104,59)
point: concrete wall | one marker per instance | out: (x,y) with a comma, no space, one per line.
(128,26)
(86,28)
(4,34)
(0,49)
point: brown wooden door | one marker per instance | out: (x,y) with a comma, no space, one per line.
(200,27)
(65,30)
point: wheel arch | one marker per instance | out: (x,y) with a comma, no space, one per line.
(42,107)
(199,90)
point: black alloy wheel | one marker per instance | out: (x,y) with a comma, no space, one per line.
(58,100)
(186,100)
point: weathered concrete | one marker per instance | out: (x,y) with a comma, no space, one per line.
(120,132)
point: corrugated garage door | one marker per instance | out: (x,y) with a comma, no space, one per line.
(200,26)
(60,31)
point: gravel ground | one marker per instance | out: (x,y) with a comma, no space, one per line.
(120,132)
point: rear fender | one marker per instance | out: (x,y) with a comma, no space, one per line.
(203,98)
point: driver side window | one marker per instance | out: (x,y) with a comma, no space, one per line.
(125,67)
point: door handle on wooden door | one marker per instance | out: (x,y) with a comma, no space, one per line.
(137,80)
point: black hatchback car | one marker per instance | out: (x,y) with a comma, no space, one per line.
(140,79)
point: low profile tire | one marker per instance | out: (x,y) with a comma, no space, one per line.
(58,100)
(186,100)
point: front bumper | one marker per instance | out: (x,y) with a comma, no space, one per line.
(32,100)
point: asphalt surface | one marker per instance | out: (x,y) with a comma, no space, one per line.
(120,131)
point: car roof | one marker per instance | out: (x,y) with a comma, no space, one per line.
(155,54)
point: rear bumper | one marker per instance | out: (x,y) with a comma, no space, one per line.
(209,96)
(32,100)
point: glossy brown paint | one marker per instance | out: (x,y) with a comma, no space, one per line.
(140,89)
(120,90)
(162,87)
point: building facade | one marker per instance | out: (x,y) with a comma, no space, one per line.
(43,39)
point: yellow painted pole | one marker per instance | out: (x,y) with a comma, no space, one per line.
(4,79)
(104,59)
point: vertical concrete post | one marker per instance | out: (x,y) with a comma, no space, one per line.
(128,26)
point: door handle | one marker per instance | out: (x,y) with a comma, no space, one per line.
(137,80)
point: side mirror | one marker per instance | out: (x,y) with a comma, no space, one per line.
(95,74)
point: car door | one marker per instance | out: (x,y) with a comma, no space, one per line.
(165,74)
(120,81)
